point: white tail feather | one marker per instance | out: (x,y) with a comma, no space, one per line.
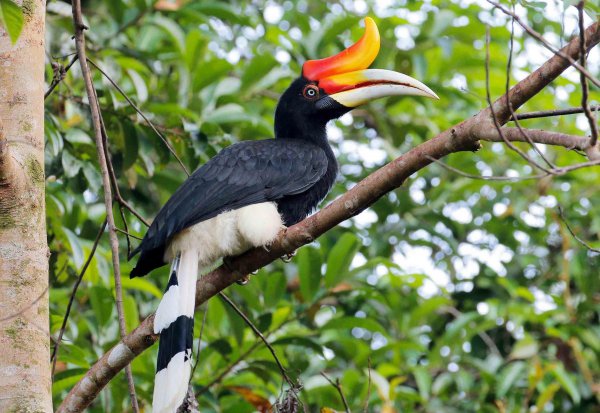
(171,382)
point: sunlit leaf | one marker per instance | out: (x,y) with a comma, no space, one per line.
(11,17)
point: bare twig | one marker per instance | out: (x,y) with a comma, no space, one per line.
(546,44)
(59,74)
(117,194)
(538,136)
(486,178)
(230,367)
(113,179)
(584,84)
(127,233)
(97,125)
(131,209)
(243,356)
(579,240)
(338,387)
(261,336)
(72,297)
(138,110)
(551,113)
(566,169)
(509,105)
(495,120)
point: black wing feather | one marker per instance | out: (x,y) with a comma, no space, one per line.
(243,174)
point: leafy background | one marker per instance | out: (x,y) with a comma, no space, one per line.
(450,294)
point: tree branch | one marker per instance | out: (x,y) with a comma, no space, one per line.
(583,80)
(539,79)
(461,137)
(570,59)
(260,335)
(538,136)
(108,200)
(134,106)
(59,74)
(551,113)
(338,387)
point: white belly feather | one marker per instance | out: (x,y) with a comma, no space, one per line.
(229,233)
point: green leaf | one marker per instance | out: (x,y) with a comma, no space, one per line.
(567,383)
(339,259)
(131,139)
(76,247)
(441,384)
(346,323)
(221,10)
(132,316)
(509,376)
(230,113)
(257,69)
(68,381)
(173,29)
(546,396)
(75,135)
(93,176)
(524,348)
(71,164)
(211,71)
(299,341)
(309,261)
(139,84)
(102,302)
(140,284)
(11,17)
(275,289)
(423,379)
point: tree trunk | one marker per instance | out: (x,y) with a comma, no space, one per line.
(25,383)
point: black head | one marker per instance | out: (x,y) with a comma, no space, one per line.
(304,109)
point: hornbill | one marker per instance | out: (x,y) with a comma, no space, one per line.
(249,191)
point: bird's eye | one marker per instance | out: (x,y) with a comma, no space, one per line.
(310,92)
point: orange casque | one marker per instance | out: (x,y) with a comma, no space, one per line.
(347,64)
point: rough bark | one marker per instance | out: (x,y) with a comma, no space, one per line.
(25,384)
(464,136)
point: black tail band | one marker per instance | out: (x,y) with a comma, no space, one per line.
(174,339)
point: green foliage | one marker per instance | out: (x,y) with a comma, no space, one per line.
(448,295)
(11,17)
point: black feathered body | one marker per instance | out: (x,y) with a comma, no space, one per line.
(294,173)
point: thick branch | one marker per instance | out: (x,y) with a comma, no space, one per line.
(461,137)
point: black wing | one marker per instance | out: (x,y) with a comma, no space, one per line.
(243,174)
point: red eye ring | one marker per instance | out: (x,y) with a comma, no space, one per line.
(310,92)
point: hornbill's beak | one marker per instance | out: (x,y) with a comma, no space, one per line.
(346,78)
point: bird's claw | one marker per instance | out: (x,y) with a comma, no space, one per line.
(288,257)
(244,280)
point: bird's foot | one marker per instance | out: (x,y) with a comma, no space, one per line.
(288,257)
(244,280)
